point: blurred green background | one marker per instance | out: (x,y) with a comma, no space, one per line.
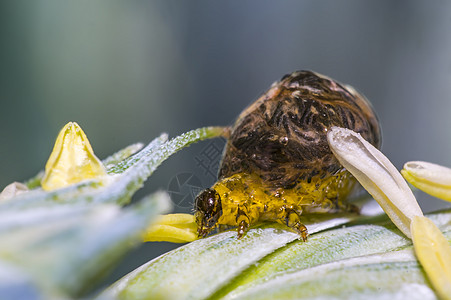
(128,70)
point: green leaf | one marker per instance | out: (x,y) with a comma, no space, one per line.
(109,162)
(126,177)
(113,191)
(394,275)
(366,258)
(67,248)
(17,284)
(116,158)
(200,269)
(58,244)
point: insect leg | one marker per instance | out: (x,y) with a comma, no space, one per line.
(242,220)
(202,231)
(293,221)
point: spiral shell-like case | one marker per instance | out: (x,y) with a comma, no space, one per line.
(282,136)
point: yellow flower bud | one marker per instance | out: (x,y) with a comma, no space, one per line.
(175,228)
(72,160)
(430,178)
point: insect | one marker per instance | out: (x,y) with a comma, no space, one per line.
(277,163)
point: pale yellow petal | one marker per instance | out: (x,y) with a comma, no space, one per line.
(72,159)
(430,178)
(12,190)
(434,253)
(376,174)
(175,228)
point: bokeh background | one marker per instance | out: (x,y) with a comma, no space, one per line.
(128,70)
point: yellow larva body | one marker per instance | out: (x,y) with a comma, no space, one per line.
(247,193)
